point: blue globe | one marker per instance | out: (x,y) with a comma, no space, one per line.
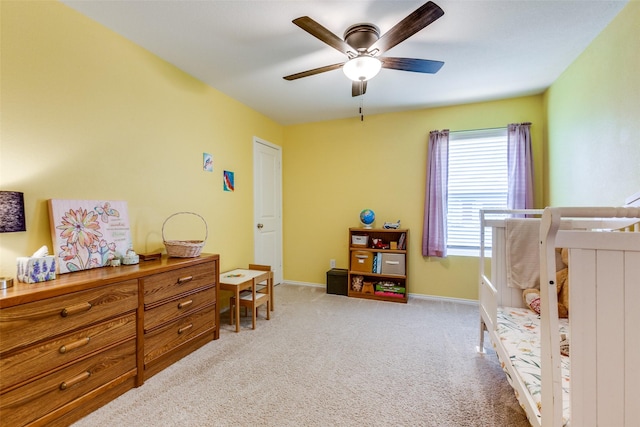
(367,216)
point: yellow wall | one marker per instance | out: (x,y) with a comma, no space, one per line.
(594,120)
(86,114)
(333,170)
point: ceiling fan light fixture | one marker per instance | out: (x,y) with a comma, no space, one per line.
(362,68)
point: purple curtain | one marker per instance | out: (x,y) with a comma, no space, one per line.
(434,231)
(520,167)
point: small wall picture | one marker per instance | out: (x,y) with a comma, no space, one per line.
(227,181)
(207,162)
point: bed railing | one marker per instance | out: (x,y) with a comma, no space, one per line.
(550,239)
(492,294)
(580,230)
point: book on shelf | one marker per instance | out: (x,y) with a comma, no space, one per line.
(377,263)
(395,289)
(388,294)
(402,241)
(390,289)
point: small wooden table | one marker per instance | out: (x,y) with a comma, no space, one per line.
(240,279)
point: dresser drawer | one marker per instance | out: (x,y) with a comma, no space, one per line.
(166,285)
(168,337)
(178,307)
(32,322)
(39,397)
(19,366)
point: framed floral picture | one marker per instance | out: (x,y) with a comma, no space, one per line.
(88,233)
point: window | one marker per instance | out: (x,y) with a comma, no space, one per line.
(477,179)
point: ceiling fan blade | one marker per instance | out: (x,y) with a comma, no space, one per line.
(358,88)
(314,71)
(322,34)
(412,64)
(410,25)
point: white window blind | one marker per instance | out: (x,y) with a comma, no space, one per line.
(477,179)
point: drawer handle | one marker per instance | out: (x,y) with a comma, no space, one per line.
(185,304)
(393,262)
(185,329)
(72,346)
(184,280)
(75,309)
(75,380)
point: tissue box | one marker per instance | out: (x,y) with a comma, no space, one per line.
(34,270)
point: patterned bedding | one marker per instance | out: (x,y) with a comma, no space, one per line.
(518,329)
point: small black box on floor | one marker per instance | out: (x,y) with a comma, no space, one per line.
(337,281)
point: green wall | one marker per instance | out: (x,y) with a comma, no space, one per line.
(594,120)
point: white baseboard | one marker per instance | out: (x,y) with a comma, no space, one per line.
(445,299)
(293,282)
(417,296)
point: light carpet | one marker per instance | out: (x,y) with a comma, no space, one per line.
(330,360)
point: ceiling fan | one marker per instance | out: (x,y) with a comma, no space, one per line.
(363,46)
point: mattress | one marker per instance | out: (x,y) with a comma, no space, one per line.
(519,332)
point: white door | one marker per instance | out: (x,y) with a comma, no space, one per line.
(267,202)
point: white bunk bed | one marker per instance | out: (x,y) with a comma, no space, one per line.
(599,384)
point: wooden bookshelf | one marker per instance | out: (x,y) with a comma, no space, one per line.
(378,264)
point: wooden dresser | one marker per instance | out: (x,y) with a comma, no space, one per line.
(70,345)
(180,314)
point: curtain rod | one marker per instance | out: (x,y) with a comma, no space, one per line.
(474,130)
(496,128)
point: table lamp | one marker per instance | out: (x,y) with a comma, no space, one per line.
(12,212)
(11,219)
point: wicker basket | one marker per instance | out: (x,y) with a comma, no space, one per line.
(184,248)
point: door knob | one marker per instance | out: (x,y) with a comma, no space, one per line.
(260,226)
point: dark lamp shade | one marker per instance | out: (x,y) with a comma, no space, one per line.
(12,212)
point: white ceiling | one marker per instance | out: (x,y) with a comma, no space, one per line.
(491,49)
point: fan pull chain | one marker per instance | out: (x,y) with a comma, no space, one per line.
(361,100)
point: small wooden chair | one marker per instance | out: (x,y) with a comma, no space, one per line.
(260,294)
(262,285)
